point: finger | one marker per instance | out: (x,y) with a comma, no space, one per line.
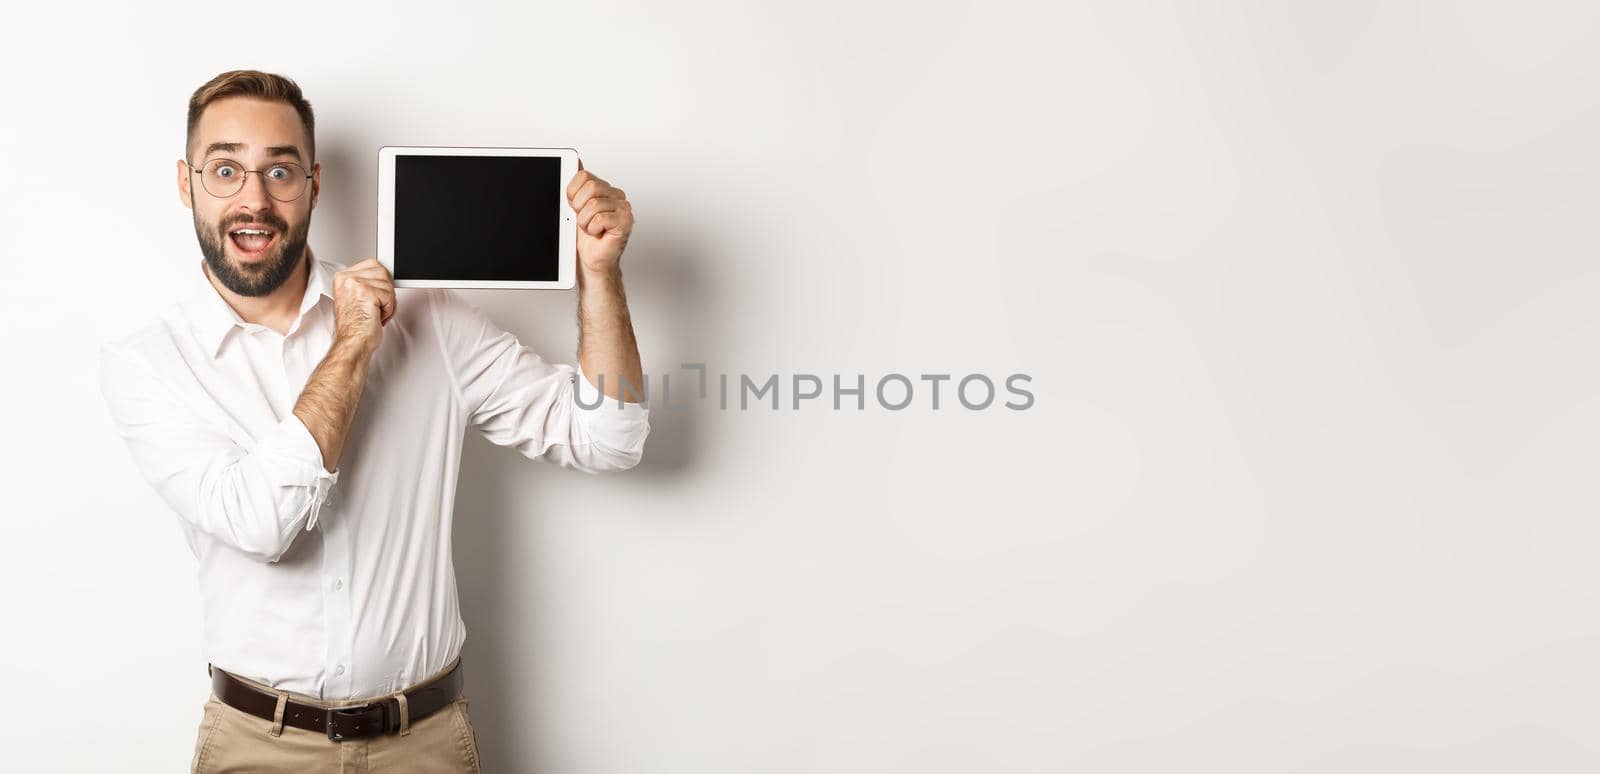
(577,182)
(595,207)
(365,290)
(369,265)
(384,299)
(378,288)
(362,265)
(365,275)
(375,285)
(599,224)
(375,279)
(592,189)
(584,190)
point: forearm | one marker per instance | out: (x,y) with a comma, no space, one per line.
(328,403)
(607,350)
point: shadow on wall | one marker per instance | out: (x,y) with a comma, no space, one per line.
(663,273)
(344,225)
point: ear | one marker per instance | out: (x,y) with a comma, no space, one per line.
(185,196)
(316,183)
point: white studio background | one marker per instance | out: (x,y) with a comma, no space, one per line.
(1306,291)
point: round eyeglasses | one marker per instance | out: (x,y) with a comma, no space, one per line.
(222,178)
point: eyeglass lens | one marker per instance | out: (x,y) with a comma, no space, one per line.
(285,181)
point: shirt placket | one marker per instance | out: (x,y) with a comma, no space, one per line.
(338,627)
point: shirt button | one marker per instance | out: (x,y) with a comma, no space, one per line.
(339,670)
(338,583)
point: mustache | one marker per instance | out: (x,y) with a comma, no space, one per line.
(263,220)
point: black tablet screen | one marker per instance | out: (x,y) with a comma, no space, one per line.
(477,217)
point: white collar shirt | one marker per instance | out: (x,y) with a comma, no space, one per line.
(339,585)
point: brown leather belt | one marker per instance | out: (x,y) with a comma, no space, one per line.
(340,723)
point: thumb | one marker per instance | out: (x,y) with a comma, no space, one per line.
(580,162)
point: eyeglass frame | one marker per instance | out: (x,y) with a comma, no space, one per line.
(246,173)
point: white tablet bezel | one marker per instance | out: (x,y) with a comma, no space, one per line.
(567,258)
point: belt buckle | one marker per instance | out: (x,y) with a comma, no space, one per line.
(363,711)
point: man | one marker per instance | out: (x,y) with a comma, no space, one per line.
(305,422)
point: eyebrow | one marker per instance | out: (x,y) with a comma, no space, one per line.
(235,147)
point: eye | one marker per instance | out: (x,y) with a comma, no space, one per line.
(279,173)
(225,171)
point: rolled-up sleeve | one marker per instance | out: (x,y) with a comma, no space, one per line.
(516,398)
(252,497)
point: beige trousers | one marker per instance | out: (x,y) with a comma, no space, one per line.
(231,740)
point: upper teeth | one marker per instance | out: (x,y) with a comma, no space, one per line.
(251,231)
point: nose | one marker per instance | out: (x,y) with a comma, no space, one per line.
(253,194)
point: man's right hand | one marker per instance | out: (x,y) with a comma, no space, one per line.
(363,302)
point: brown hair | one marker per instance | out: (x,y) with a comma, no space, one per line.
(251,83)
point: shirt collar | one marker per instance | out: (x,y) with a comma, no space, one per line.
(212,317)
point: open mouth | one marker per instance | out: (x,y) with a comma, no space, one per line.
(251,241)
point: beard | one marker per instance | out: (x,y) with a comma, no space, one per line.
(263,276)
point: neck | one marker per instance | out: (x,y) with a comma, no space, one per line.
(277,309)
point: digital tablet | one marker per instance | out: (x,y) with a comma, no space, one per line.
(477,217)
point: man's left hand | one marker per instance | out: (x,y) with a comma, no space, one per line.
(605,219)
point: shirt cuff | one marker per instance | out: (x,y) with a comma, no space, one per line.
(292,439)
(295,439)
(623,427)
